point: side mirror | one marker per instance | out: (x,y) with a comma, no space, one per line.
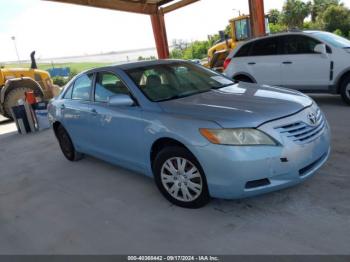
(321,49)
(120,100)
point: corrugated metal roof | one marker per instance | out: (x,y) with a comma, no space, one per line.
(137,6)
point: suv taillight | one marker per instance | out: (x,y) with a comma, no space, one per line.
(227,62)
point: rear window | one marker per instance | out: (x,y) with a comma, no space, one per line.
(265,47)
(244,50)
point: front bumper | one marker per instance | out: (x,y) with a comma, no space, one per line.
(234,172)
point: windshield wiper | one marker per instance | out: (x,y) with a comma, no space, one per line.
(178,96)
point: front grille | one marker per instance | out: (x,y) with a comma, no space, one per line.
(302,133)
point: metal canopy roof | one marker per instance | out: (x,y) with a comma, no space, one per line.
(157,8)
(137,6)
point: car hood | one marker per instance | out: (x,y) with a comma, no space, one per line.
(240,105)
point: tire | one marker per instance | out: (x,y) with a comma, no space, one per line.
(345,90)
(178,187)
(66,144)
(245,79)
(12,97)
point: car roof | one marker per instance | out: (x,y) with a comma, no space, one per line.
(133,65)
(293,32)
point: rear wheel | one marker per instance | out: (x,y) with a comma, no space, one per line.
(12,97)
(245,79)
(180,178)
(66,144)
(345,90)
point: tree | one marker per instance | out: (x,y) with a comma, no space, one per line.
(338,32)
(319,6)
(180,44)
(197,50)
(294,13)
(176,53)
(274,16)
(336,17)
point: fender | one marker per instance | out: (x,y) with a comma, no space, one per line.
(20,82)
(339,77)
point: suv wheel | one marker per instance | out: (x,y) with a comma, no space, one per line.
(66,145)
(345,90)
(245,79)
(180,178)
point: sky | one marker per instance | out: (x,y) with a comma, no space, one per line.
(60,30)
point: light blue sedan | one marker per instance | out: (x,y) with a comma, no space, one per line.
(198,133)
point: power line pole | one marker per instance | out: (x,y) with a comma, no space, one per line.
(14,42)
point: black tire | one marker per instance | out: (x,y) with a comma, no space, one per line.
(66,144)
(345,90)
(245,79)
(13,96)
(169,153)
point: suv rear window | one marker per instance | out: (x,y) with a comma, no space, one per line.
(244,50)
(265,47)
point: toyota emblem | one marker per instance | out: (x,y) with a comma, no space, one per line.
(312,118)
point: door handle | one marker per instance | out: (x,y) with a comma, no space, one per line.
(62,106)
(287,62)
(251,63)
(94,111)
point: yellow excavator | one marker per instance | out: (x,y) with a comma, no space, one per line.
(14,82)
(240,31)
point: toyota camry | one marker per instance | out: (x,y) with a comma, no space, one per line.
(196,132)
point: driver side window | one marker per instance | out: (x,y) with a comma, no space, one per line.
(298,44)
(108,84)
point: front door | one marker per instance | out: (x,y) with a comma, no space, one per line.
(117,131)
(302,67)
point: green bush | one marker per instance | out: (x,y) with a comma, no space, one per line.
(176,54)
(338,32)
(72,74)
(277,28)
(59,80)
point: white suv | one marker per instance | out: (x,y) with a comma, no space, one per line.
(309,61)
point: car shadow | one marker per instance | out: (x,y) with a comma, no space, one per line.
(328,99)
(5,121)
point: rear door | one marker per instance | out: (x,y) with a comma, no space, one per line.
(302,67)
(264,62)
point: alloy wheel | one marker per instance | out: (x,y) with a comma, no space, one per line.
(347,91)
(181,178)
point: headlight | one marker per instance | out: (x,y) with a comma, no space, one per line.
(239,137)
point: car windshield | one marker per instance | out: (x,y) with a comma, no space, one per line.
(175,80)
(333,39)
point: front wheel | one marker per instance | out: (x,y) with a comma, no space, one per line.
(180,178)
(345,90)
(66,144)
